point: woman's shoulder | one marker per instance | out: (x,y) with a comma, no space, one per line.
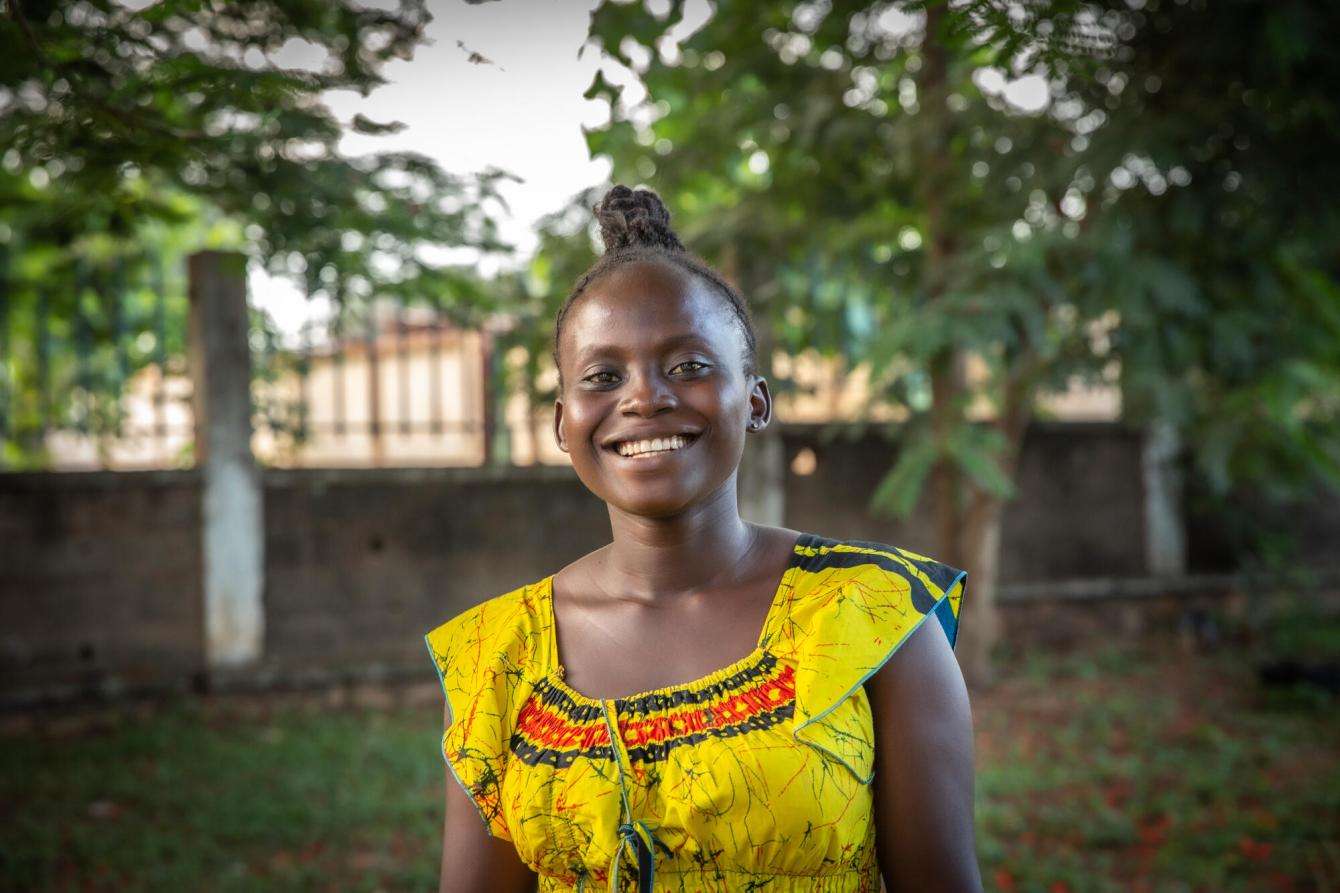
(852,604)
(510,623)
(865,595)
(854,558)
(484,656)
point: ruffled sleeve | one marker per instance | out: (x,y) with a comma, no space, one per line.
(486,659)
(860,602)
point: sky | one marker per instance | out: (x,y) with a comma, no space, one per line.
(524,113)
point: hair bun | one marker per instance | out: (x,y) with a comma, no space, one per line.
(635,218)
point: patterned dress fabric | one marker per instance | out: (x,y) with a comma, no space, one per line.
(757,776)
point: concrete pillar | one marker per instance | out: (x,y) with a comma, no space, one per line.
(1165,532)
(233,524)
(488,370)
(761,485)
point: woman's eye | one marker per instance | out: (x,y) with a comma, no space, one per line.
(608,377)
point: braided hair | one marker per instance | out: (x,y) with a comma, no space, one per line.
(635,226)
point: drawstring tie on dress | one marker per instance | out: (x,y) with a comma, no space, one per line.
(632,832)
(643,841)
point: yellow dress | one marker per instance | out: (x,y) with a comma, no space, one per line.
(754,777)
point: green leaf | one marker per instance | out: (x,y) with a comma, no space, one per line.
(900,488)
(362,124)
(978,450)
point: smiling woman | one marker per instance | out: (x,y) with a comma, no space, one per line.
(750,683)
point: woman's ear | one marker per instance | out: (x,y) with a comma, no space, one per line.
(760,404)
(558,426)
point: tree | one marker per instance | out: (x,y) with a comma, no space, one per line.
(533,295)
(856,169)
(115,121)
(1221,217)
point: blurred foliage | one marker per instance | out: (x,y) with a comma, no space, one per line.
(537,291)
(130,137)
(78,321)
(1164,220)
(1218,139)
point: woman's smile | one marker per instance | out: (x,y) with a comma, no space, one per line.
(653,450)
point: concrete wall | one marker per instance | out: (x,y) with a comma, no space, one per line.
(360,564)
(100,573)
(1079,513)
(1224,533)
(100,581)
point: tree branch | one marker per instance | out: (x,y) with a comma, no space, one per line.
(16,13)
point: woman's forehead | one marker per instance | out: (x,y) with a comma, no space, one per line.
(612,346)
(648,305)
(643,279)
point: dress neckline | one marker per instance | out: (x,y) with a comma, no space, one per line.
(556,671)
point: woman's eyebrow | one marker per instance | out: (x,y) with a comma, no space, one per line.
(596,351)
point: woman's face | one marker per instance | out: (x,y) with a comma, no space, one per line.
(652,352)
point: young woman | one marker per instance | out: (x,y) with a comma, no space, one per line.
(705,703)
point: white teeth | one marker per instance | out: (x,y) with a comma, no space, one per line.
(654,445)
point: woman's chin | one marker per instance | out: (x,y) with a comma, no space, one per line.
(653,492)
(652,501)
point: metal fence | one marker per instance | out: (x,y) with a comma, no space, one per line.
(69,355)
(98,376)
(386,385)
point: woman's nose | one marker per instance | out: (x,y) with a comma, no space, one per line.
(647,393)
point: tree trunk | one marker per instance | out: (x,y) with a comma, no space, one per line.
(979,616)
(945,366)
(966,536)
(982,525)
(761,484)
(946,480)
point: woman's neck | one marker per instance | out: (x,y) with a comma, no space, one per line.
(704,547)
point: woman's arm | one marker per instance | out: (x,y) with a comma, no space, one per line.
(924,768)
(472,861)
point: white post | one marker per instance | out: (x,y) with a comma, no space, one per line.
(1165,537)
(762,479)
(232,507)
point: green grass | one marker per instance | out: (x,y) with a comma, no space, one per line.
(1124,768)
(1115,768)
(194,799)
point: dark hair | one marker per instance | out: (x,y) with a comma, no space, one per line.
(635,226)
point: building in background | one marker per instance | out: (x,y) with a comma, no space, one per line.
(415,395)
